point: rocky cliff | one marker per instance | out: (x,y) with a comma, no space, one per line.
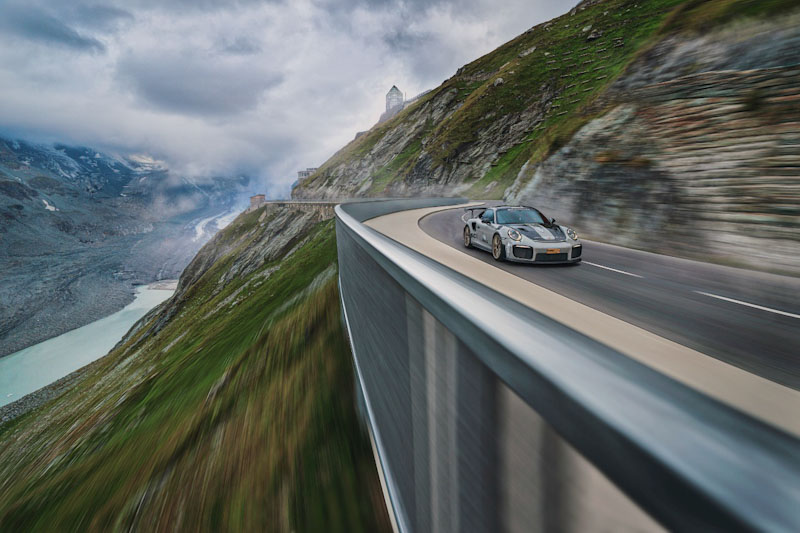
(665,125)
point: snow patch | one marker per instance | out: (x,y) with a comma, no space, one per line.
(216,221)
(200,228)
(226,219)
(146,163)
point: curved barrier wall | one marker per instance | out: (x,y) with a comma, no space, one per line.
(489,416)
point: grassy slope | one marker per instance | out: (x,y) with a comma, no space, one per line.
(481,102)
(241,420)
(556,66)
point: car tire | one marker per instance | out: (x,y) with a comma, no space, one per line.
(467,237)
(498,250)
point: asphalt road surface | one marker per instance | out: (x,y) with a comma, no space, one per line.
(747,319)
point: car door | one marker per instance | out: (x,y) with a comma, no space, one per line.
(485,230)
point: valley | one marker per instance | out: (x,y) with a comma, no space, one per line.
(79,230)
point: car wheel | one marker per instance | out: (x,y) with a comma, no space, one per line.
(498,250)
(467,237)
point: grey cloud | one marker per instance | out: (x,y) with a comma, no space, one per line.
(101,17)
(195,85)
(241,46)
(192,6)
(211,87)
(402,40)
(402,9)
(37,25)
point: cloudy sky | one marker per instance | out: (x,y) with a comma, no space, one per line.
(262,87)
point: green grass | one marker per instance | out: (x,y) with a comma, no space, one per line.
(239,419)
(396,167)
(566,72)
(526,80)
(573,73)
(399,166)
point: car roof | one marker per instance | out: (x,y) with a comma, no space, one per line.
(496,207)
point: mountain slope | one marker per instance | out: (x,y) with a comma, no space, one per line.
(473,133)
(231,407)
(679,117)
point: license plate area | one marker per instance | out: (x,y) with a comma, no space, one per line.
(553,251)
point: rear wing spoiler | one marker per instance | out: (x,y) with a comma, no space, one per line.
(471,210)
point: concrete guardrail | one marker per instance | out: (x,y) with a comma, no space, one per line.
(488,416)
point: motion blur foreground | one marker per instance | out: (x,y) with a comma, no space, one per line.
(489,415)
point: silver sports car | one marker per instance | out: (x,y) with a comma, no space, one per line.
(522,234)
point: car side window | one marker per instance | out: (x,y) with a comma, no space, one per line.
(488,216)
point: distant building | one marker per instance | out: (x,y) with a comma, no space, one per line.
(394,98)
(257,201)
(396,102)
(303,174)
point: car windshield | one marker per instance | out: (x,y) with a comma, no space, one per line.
(520,216)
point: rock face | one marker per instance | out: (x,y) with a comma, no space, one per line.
(691,149)
(616,196)
(473,133)
(78,229)
(701,164)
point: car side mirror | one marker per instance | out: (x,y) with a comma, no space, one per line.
(553,221)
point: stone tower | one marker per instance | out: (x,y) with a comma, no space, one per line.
(394,98)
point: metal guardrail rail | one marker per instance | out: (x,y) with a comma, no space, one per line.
(489,416)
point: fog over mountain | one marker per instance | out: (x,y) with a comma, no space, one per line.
(261,88)
(79,229)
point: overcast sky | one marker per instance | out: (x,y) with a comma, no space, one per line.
(263,87)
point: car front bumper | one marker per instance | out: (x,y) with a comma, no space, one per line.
(544,253)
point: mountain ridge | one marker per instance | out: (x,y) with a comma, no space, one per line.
(80,229)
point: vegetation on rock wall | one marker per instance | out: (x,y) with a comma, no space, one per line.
(516,105)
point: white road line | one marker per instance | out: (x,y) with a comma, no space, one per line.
(612,269)
(754,306)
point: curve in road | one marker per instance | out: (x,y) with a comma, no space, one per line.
(672,314)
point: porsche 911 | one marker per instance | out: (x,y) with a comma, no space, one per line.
(520,234)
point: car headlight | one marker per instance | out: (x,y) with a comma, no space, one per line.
(514,235)
(571,234)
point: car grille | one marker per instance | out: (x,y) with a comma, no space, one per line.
(545,258)
(576,252)
(523,252)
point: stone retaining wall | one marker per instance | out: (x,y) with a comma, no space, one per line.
(322,208)
(703,165)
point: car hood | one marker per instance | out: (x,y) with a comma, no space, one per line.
(538,232)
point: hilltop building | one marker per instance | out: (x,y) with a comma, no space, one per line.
(303,174)
(396,102)
(257,201)
(394,98)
